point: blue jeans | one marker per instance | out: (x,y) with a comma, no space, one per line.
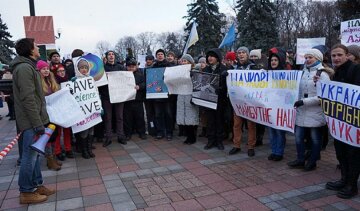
(315,134)
(30,174)
(277,141)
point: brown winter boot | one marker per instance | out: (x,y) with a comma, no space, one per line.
(42,190)
(32,198)
(51,163)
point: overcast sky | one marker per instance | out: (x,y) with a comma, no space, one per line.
(83,23)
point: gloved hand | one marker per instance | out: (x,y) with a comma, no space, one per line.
(39,130)
(73,79)
(225,73)
(298,103)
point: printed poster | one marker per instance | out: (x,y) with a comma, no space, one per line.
(204,89)
(350,32)
(96,70)
(155,86)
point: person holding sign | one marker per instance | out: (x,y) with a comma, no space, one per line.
(110,66)
(309,114)
(277,61)
(216,118)
(244,64)
(348,156)
(134,109)
(187,114)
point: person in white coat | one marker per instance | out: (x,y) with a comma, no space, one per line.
(309,115)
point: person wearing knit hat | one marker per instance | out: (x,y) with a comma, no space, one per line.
(188,58)
(309,114)
(160,51)
(83,67)
(187,114)
(230,60)
(216,118)
(41,64)
(255,54)
(244,63)
(354,53)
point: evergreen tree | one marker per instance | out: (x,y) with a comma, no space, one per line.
(5,43)
(257,24)
(172,44)
(209,23)
(349,9)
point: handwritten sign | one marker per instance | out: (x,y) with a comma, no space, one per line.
(304,45)
(341,105)
(86,94)
(121,86)
(350,32)
(155,86)
(265,97)
(205,86)
(61,101)
(178,80)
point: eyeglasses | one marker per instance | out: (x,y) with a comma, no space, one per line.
(60,71)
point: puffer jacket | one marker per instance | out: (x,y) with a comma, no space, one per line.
(310,114)
(29,100)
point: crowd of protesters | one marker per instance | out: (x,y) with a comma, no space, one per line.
(33,79)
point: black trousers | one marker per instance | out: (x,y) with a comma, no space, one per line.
(164,117)
(150,117)
(134,117)
(215,126)
(349,159)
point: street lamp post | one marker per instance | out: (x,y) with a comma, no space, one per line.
(32,7)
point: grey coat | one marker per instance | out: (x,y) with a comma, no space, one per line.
(186,113)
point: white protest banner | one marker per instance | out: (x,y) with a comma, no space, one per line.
(141,59)
(265,97)
(61,101)
(178,80)
(350,32)
(86,94)
(303,45)
(121,86)
(96,68)
(341,105)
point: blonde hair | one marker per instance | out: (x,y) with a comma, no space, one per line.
(49,82)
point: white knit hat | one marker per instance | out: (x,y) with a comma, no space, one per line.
(255,52)
(315,53)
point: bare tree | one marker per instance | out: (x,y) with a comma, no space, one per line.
(102,46)
(145,40)
(125,43)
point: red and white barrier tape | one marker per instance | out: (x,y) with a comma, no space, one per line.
(7,149)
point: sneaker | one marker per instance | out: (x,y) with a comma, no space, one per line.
(271,157)
(278,157)
(159,136)
(32,198)
(220,146)
(169,137)
(310,166)
(251,152)
(122,141)
(142,136)
(296,164)
(42,190)
(234,150)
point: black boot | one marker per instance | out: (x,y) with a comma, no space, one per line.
(107,142)
(338,184)
(210,144)
(89,146)
(78,144)
(350,190)
(182,130)
(203,132)
(193,131)
(84,151)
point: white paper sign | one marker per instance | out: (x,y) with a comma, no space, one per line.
(178,80)
(86,94)
(304,45)
(341,105)
(121,86)
(61,101)
(265,97)
(350,32)
(141,59)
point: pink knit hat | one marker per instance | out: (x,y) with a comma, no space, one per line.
(41,64)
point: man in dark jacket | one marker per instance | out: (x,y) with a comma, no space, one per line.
(348,156)
(216,118)
(134,109)
(31,116)
(163,107)
(110,66)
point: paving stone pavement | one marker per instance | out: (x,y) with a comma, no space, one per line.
(161,175)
